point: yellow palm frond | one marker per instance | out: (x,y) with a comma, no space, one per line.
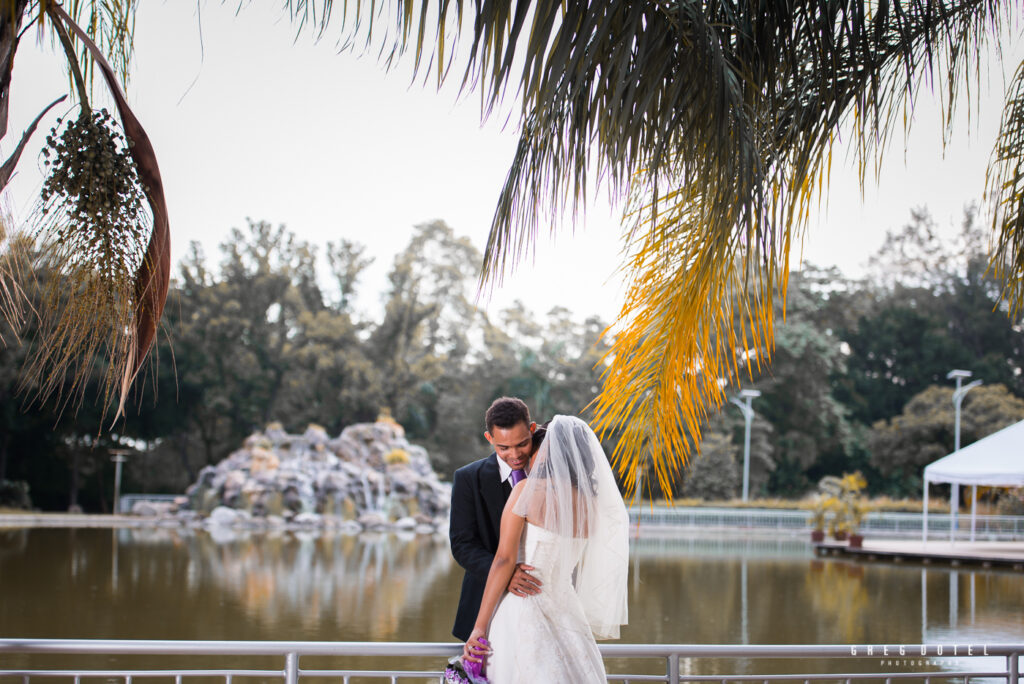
(1005,193)
(715,123)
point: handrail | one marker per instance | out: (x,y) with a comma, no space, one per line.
(425,648)
(789,522)
(674,656)
(876,523)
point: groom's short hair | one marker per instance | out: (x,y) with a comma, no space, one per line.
(506,412)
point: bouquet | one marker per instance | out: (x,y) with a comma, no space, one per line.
(464,672)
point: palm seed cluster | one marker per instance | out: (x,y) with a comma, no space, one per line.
(92,189)
(94,227)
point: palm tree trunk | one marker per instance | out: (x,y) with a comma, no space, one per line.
(181,447)
(10,25)
(103,495)
(73,493)
(4,444)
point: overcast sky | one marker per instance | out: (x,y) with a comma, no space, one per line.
(248,122)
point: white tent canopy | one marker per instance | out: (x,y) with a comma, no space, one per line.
(996,460)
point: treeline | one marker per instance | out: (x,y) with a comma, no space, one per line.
(857,380)
(264,336)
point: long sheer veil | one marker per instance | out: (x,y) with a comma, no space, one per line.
(571,491)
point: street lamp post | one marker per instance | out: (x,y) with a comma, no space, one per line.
(119,456)
(958,398)
(748,418)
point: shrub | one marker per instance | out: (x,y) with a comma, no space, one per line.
(1011,502)
(396,457)
(14,494)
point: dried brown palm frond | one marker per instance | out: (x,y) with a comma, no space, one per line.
(7,170)
(79,333)
(13,266)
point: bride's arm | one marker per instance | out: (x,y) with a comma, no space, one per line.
(502,567)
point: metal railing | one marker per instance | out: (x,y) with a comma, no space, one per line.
(128,501)
(753,520)
(760,519)
(990,527)
(290,661)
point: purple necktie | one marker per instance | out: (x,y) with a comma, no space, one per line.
(517,476)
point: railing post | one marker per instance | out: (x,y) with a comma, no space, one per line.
(673,668)
(1013,668)
(291,668)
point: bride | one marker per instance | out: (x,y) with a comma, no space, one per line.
(568,520)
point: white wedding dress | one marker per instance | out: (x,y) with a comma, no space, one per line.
(545,637)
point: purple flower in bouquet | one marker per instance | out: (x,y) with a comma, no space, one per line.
(461,671)
(475,670)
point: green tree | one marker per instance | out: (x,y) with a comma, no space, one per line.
(814,433)
(347,262)
(810,431)
(716,473)
(236,338)
(937,308)
(923,432)
(330,380)
(428,319)
(559,360)
(257,338)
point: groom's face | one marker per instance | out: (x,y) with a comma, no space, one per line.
(513,445)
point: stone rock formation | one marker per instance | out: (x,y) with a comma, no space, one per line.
(369,477)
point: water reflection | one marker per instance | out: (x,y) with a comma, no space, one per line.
(368,582)
(960,606)
(719,546)
(177,584)
(12,542)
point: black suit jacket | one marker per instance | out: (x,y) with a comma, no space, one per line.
(478,498)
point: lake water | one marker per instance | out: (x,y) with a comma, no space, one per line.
(180,584)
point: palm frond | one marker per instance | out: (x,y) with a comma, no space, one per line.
(7,170)
(715,122)
(85,318)
(109,23)
(111,26)
(102,247)
(153,273)
(13,266)
(672,348)
(720,120)
(1005,193)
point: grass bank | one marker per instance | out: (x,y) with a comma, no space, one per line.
(881,503)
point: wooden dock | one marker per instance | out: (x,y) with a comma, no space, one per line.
(1006,554)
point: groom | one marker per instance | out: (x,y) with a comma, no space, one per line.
(479,493)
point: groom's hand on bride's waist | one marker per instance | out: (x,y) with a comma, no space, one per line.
(522,582)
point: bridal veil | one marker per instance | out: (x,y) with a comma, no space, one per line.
(571,492)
